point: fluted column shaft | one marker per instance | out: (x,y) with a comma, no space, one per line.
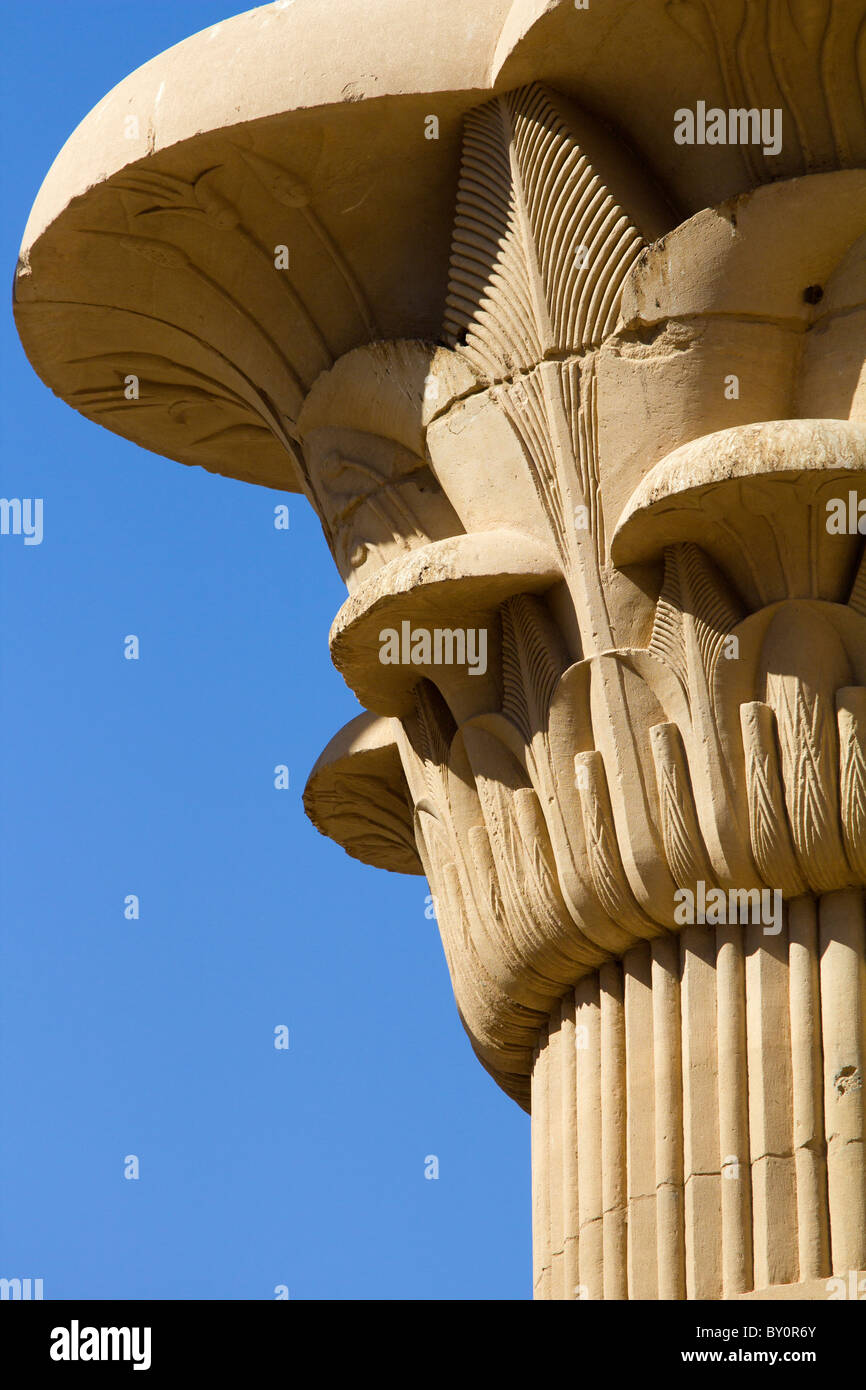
(698,1114)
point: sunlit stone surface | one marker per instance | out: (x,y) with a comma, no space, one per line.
(556,315)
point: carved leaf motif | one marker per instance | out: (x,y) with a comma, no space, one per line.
(533,662)
(496,943)
(533,659)
(806,741)
(540,253)
(169,256)
(457,863)
(288,190)
(485,876)
(435,728)
(501,1027)
(684,846)
(806,664)
(602,848)
(851,705)
(536,913)
(174,195)
(540,249)
(770,837)
(166,383)
(694,616)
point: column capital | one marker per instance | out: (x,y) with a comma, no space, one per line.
(556,316)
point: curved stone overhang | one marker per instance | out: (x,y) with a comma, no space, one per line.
(317,130)
(421,591)
(713,491)
(356,794)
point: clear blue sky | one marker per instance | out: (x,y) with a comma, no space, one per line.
(155,1037)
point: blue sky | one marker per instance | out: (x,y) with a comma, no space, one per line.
(154,777)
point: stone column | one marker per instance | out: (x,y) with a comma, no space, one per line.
(572,371)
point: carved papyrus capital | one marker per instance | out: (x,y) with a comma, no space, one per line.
(573,377)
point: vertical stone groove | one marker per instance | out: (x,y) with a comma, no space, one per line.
(698,1114)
